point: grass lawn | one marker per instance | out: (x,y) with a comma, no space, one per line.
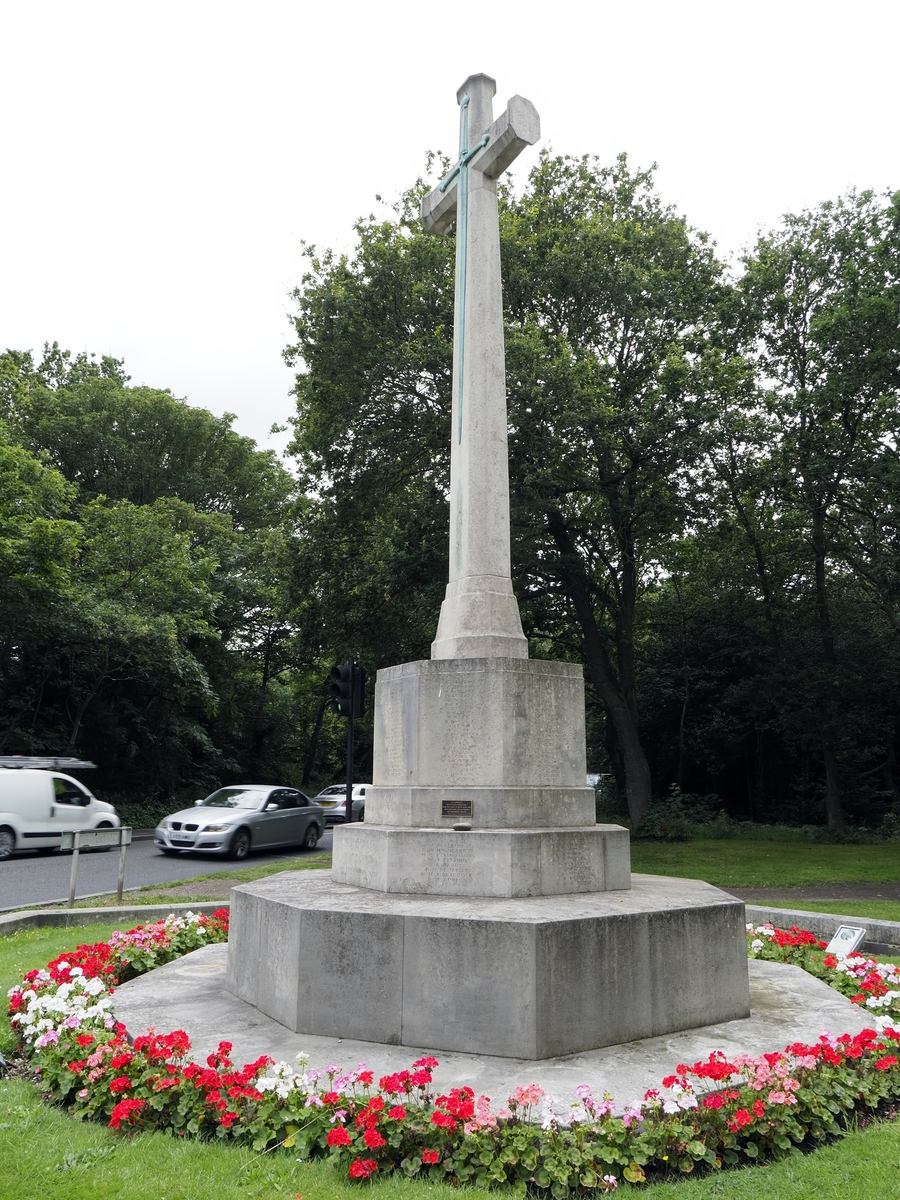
(732,863)
(725,862)
(876,910)
(47,1155)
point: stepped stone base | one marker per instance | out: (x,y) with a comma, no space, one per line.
(483,862)
(499,741)
(530,978)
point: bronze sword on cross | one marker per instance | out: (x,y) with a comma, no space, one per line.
(461,168)
(479,617)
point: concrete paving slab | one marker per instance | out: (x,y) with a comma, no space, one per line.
(787,1005)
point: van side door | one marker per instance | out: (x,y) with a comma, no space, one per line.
(71,807)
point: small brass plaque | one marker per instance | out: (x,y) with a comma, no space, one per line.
(456,808)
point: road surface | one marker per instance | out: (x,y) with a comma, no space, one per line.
(33,878)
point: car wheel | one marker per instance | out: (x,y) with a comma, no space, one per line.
(311,837)
(7,842)
(362,813)
(240,844)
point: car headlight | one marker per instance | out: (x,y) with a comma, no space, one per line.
(216,828)
(164,823)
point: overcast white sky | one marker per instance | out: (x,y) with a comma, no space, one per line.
(163,161)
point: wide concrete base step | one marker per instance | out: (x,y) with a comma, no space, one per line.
(527,977)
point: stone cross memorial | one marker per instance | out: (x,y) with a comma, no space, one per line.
(480,616)
(480,907)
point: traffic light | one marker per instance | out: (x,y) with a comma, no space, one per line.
(347,686)
(359,690)
(340,687)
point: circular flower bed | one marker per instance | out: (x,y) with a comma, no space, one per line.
(720,1111)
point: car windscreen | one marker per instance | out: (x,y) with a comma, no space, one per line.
(235,797)
(334,791)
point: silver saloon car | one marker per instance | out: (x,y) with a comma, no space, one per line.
(244,817)
(334,800)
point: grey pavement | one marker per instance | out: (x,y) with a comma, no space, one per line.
(787,1005)
(37,879)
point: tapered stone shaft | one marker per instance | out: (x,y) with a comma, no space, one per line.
(480,616)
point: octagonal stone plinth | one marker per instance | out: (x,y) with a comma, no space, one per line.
(526,978)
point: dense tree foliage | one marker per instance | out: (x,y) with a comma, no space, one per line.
(704,476)
(145,555)
(698,470)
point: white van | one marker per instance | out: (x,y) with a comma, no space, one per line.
(36,806)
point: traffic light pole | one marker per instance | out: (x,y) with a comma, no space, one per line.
(347,685)
(348,802)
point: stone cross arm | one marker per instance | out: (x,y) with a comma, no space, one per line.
(519,126)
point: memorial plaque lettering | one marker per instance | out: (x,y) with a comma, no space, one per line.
(456,808)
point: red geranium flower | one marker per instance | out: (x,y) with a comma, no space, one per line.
(125,1110)
(430,1156)
(362,1168)
(338,1136)
(740,1119)
(373,1139)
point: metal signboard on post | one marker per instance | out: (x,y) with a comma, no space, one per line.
(89,839)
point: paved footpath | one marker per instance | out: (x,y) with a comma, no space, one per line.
(797,897)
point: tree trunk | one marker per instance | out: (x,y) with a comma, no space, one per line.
(888,773)
(833,808)
(314,742)
(618,693)
(82,709)
(832,787)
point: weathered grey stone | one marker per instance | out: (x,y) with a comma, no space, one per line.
(528,978)
(512,728)
(483,862)
(480,617)
(507,807)
(500,740)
